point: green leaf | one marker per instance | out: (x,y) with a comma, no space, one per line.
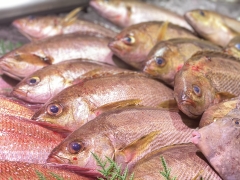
(40,175)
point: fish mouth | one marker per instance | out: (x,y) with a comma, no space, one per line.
(57,159)
(196,136)
(115,46)
(18,93)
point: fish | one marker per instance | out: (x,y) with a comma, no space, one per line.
(40,27)
(127,13)
(133,43)
(167,57)
(45,83)
(31,171)
(184,160)
(219,142)
(80,103)
(125,135)
(207,78)
(22,140)
(32,56)
(233,47)
(213,26)
(6,85)
(217,111)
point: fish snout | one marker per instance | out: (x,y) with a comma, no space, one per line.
(56,159)
(196,136)
(114,45)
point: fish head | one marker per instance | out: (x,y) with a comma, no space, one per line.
(163,61)
(37,27)
(193,92)
(113,10)
(78,147)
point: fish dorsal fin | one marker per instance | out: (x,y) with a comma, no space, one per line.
(169,104)
(221,96)
(131,151)
(162,31)
(72,16)
(91,74)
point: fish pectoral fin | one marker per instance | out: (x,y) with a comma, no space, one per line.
(162,31)
(169,104)
(72,16)
(221,96)
(136,148)
(45,59)
(234,25)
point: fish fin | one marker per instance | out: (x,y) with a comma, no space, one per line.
(72,16)
(233,24)
(162,31)
(131,151)
(169,104)
(91,74)
(129,11)
(118,104)
(46,59)
(221,96)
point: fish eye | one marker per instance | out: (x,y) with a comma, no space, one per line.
(237,46)
(129,40)
(197,90)
(160,61)
(236,122)
(54,109)
(33,81)
(74,147)
(201,13)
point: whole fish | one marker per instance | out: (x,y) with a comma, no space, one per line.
(45,83)
(219,142)
(205,79)
(167,57)
(30,57)
(127,13)
(40,27)
(80,103)
(233,47)
(29,171)
(133,44)
(22,140)
(215,27)
(184,160)
(126,135)
(217,111)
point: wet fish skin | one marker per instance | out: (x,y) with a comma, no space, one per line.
(233,47)
(30,57)
(217,111)
(177,157)
(28,171)
(125,134)
(50,80)
(167,57)
(22,140)
(40,27)
(213,26)
(80,103)
(127,13)
(133,44)
(205,79)
(219,142)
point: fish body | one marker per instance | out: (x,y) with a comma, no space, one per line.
(205,79)
(30,171)
(219,142)
(80,103)
(32,56)
(184,160)
(127,13)
(167,57)
(36,28)
(45,83)
(215,27)
(126,135)
(133,43)
(233,47)
(22,140)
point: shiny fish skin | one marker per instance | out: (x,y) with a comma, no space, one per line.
(213,26)
(82,102)
(172,55)
(35,55)
(50,80)
(205,79)
(21,140)
(127,13)
(125,134)
(233,47)
(184,160)
(133,44)
(27,171)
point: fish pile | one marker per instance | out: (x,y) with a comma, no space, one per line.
(163,86)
